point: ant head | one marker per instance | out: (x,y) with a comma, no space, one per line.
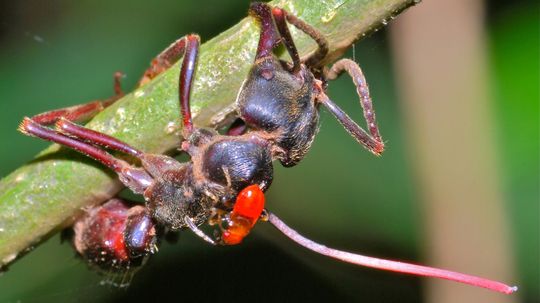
(282,104)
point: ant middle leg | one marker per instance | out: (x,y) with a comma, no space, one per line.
(269,38)
(314,60)
(372,141)
(165,59)
(87,135)
(71,134)
(281,24)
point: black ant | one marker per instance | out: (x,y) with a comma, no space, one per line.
(223,184)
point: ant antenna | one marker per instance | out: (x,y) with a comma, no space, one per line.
(387,264)
(197,231)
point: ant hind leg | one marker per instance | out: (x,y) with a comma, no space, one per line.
(314,60)
(82,112)
(372,141)
(136,179)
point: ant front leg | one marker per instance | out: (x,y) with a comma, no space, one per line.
(268,38)
(279,17)
(372,141)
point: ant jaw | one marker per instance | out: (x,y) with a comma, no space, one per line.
(191,225)
(389,265)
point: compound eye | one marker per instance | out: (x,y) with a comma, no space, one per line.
(246,211)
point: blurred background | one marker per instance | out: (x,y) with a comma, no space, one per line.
(455,88)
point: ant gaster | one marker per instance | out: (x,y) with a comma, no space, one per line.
(223,183)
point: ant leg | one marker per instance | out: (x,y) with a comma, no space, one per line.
(314,60)
(268,38)
(372,141)
(152,164)
(191,225)
(136,179)
(96,138)
(83,112)
(164,60)
(279,17)
(186,80)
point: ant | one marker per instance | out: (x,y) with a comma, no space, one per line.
(224,183)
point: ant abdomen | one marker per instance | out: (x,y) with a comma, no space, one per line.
(115,237)
(274,100)
(238,162)
(140,234)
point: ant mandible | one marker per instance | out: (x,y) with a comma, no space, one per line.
(223,184)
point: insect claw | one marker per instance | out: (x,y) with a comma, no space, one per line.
(197,231)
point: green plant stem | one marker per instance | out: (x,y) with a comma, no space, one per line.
(48,193)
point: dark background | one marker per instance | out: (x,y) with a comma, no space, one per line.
(59,53)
